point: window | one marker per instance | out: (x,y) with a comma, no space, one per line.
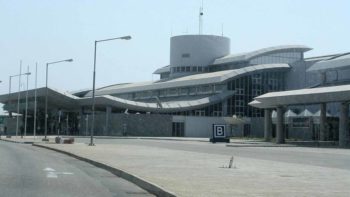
(178,129)
(162,93)
(239,91)
(284,57)
(194,68)
(182,69)
(172,92)
(199,113)
(239,103)
(200,69)
(188,68)
(138,95)
(256,79)
(177,69)
(183,91)
(205,89)
(192,91)
(256,92)
(186,55)
(219,88)
(217,113)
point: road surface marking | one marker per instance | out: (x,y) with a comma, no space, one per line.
(51,173)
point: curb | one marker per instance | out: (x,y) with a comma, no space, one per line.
(257,145)
(142,138)
(146,185)
(173,139)
(15,141)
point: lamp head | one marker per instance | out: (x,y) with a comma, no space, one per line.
(126,37)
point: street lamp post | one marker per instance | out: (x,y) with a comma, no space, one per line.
(93,85)
(46,93)
(10,79)
(35,101)
(26,113)
(19,96)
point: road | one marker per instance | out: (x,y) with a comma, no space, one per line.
(324,157)
(27,171)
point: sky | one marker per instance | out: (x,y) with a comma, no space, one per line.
(41,31)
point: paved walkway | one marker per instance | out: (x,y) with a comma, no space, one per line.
(199,174)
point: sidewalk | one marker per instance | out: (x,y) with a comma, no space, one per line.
(26,139)
(198,174)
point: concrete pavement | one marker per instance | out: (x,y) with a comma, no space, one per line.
(182,168)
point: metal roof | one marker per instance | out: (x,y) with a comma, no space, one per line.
(306,113)
(303,96)
(191,80)
(334,63)
(64,100)
(319,58)
(289,113)
(165,69)
(55,97)
(170,106)
(249,55)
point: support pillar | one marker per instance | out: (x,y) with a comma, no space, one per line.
(279,126)
(108,115)
(224,108)
(267,125)
(343,125)
(81,121)
(323,120)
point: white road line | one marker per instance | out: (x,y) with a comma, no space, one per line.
(51,173)
(49,169)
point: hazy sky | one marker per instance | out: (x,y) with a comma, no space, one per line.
(49,30)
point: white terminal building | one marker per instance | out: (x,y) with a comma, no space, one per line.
(205,84)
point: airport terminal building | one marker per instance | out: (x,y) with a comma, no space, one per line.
(203,84)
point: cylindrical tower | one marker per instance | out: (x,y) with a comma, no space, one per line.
(191,54)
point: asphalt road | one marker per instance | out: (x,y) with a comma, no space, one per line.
(27,171)
(299,155)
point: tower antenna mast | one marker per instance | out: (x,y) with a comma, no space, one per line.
(201,19)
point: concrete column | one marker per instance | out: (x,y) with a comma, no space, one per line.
(279,126)
(81,121)
(268,125)
(108,114)
(323,120)
(323,78)
(224,108)
(343,125)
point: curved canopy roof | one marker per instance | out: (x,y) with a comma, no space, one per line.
(165,107)
(59,99)
(249,55)
(303,96)
(338,62)
(161,70)
(192,80)
(55,97)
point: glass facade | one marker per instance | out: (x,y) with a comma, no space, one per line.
(189,69)
(283,57)
(250,86)
(245,87)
